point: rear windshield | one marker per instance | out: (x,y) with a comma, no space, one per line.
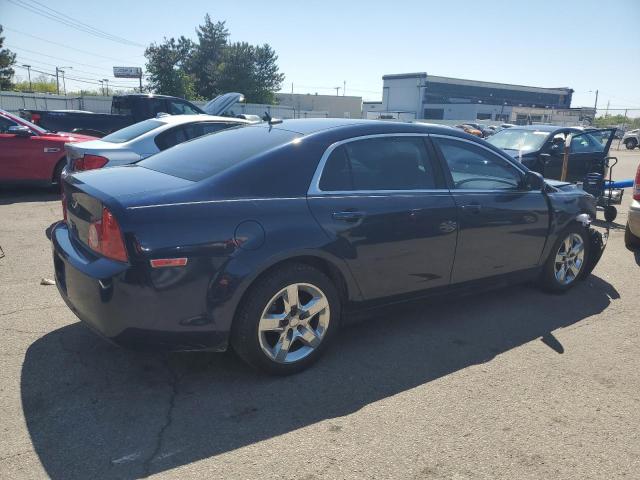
(132,131)
(209,155)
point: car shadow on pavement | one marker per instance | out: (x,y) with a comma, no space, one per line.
(97,411)
(10,195)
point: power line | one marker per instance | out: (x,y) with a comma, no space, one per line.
(77,79)
(60,17)
(14,47)
(29,59)
(46,40)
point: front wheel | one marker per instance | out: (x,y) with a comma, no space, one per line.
(630,143)
(567,262)
(630,240)
(287,319)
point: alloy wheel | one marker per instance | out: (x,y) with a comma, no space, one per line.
(294,323)
(569,259)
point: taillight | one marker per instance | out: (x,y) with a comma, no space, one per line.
(90,162)
(636,185)
(35,118)
(64,206)
(105,237)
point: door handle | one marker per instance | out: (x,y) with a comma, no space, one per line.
(348,215)
(472,208)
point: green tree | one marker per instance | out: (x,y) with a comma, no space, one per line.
(208,54)
(166,67)
(268,79)
(211,66)
(39,84)
(7,60)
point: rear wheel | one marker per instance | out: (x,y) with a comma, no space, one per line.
(630,240)
(287,319)
(56,181)
(630,143)
(567,261)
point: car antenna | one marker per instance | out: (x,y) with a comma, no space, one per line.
(270,120)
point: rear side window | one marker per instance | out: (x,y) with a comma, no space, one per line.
(186,132)
(121,106)
(177,107)
(387,163)
(132,131)
(5,123)
(207,156)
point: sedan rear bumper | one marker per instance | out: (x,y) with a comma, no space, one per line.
(129,305)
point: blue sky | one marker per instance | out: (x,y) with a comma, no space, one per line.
(585,45)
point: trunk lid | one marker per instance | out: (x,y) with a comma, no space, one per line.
(86,193)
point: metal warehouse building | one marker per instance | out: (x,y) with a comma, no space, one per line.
(416,96)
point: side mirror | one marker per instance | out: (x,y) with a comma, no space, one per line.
(533,181)
(19,131)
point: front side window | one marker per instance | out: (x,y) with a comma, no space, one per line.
(385,163)
(474,168)
(5,123)
(589,143)
(519,139)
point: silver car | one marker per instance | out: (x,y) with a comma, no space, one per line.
(143,139)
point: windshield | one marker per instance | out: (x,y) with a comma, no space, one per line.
(132,131)
(518,139)
(26,123)
(209,155)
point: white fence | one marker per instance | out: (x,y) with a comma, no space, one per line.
(15,101)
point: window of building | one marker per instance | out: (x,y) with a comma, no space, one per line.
(483,116)
(434,113)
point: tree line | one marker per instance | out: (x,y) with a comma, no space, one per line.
(212,65)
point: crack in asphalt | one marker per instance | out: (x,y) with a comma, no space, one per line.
(174,380)
(43,307)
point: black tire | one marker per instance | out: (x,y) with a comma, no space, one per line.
(610,213)
(630,240)
(548,280)
(56,181)
(630,143)
(245,335)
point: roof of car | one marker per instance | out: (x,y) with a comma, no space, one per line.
(543,128)
(180,119)
(359,126)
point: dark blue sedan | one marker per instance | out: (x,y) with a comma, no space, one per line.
(261,237)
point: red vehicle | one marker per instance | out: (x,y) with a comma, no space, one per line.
(30,154)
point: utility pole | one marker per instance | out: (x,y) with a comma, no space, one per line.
(106,81)
(28,67)
(344,87)
(337,91)
(291,88)
(140,78)
(606,112)
(58,70)
(64,84)
(101,82)
(595,107)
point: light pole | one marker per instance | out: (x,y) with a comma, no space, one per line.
(64,84)
(28,67)
(58,70)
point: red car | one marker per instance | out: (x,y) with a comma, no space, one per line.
(29,153)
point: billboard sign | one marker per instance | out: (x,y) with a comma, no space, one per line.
(127,72)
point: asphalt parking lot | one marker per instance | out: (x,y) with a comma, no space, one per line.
(511,384)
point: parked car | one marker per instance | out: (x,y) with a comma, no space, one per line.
(261,236)
(631,139)
(30,154)
(143,139)
(632,231)
(541,149)
(125,110)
